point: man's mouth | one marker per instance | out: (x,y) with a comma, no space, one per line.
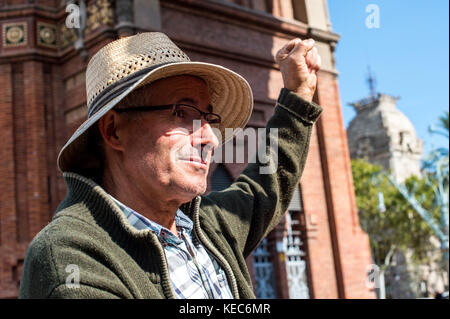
(194,160)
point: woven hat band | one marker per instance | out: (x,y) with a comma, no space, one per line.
(117,88)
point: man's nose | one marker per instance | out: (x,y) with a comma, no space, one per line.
(204,135)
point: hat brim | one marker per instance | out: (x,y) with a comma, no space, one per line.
(231,97)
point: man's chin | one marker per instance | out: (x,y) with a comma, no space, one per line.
(192,186)
(198,189)
(192,178)
(187,193)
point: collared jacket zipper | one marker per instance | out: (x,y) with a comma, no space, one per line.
(165,276)
(194,259)
(202,238)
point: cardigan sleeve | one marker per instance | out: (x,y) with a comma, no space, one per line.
(254,204)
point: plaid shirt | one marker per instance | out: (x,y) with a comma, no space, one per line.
(194,273)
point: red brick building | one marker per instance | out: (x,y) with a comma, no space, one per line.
(42,80)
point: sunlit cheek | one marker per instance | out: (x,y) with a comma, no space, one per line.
(179,147)
(150,156)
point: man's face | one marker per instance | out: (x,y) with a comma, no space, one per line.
(163,153)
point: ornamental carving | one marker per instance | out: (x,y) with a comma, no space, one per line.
(67,36)
(14,34)
(46,35)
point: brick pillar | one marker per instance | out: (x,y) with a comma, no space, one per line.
(279,260)
(56,121)
(282,9)
(11,253)
(319,249)
(36,156)
(286,10)
(351,249)
(7,168)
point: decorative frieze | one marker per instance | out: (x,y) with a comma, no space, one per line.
(14,34)
(46,35)
(99,13)
(67,36)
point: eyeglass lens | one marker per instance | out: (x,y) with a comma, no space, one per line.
(188,114)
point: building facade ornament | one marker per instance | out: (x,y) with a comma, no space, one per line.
(383,135)
(15,34)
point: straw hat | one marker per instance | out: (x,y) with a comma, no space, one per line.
(126,64)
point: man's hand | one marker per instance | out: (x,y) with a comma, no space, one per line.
(299,62)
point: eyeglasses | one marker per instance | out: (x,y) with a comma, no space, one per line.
(186,113)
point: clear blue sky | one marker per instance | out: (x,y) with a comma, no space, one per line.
(408,53)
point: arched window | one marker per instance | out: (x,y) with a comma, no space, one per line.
(295,263)
(293,246)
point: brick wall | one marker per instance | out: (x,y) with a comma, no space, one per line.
(350,245)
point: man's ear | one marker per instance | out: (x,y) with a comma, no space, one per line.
(111,129)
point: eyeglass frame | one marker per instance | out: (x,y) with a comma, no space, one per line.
(167,107)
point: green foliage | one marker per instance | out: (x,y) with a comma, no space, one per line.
(399,226)
(443,121)
(442,127)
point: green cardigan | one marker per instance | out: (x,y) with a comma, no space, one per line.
(115,260)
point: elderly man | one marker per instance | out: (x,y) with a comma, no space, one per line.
(133,223)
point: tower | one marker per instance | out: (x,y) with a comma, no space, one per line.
(383,135)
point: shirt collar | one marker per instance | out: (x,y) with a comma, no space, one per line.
(182,221)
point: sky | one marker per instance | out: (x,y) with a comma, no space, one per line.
(408,54)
